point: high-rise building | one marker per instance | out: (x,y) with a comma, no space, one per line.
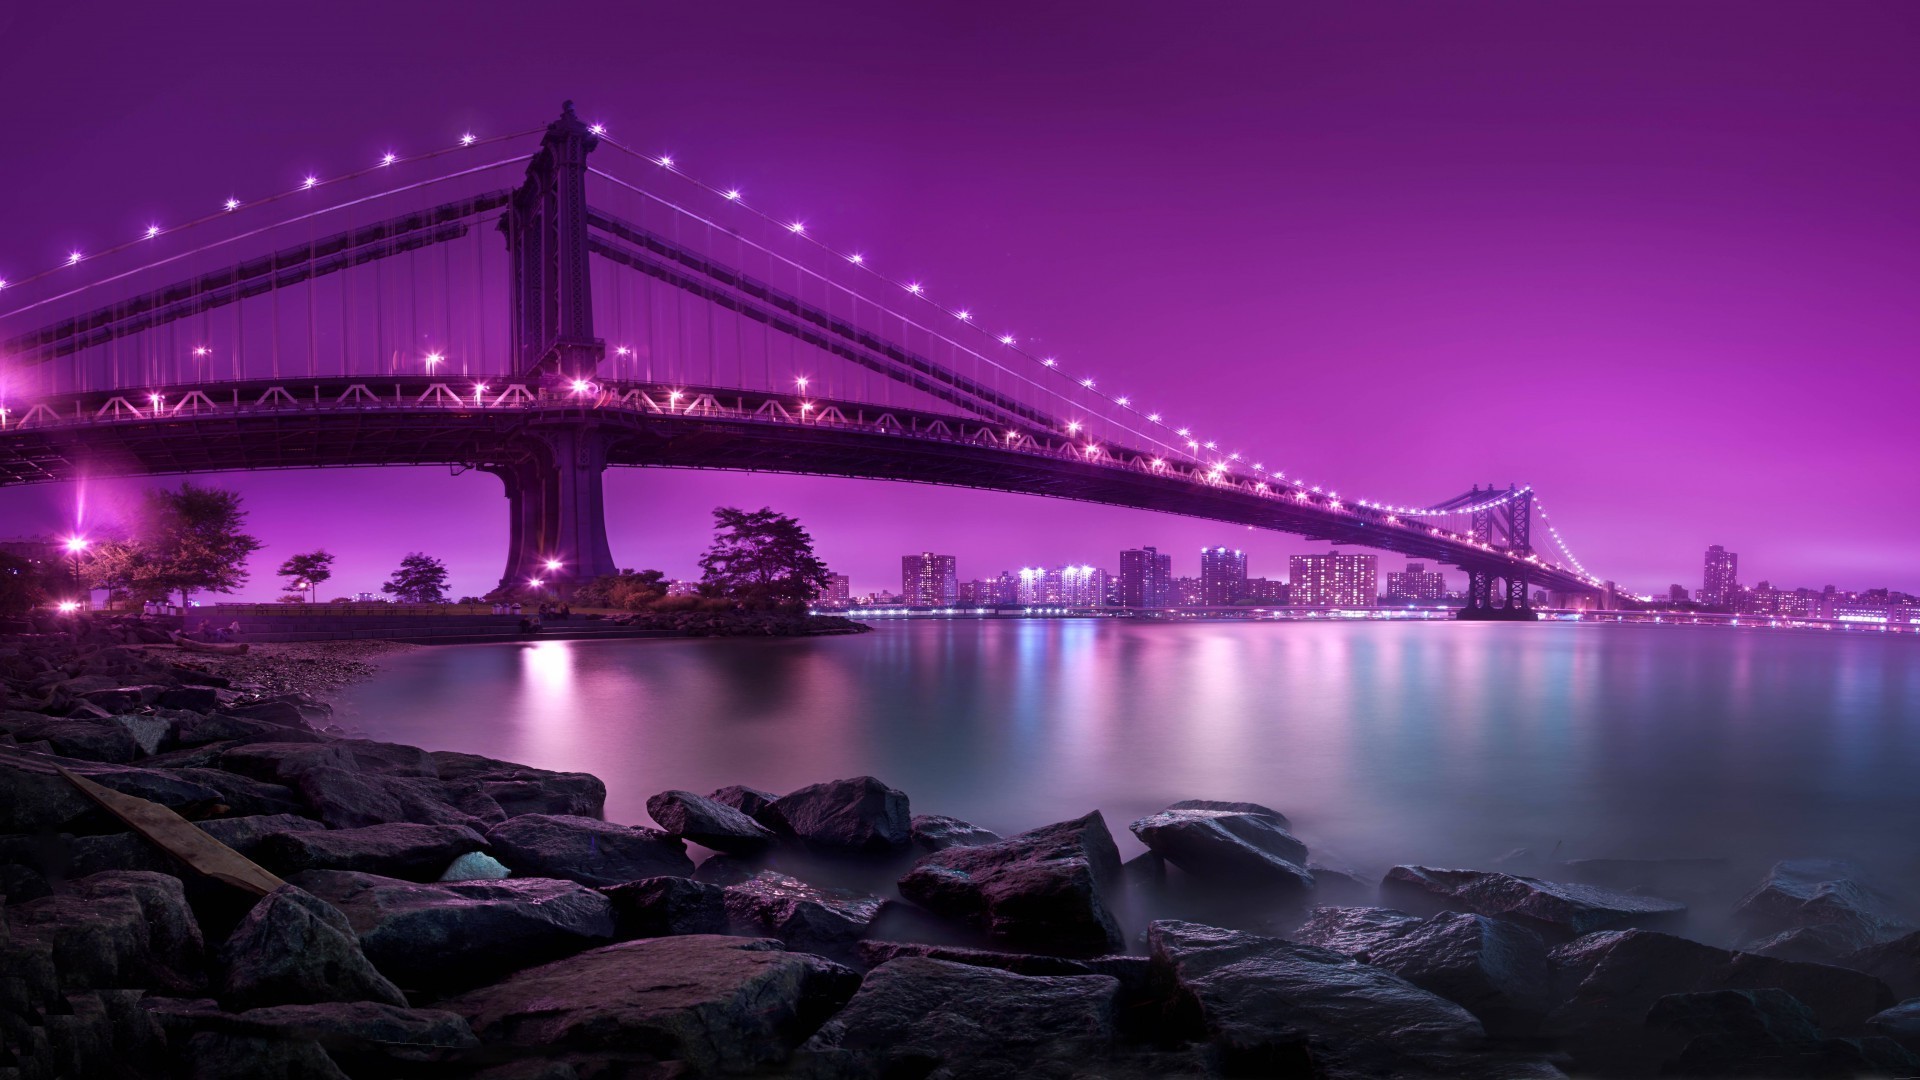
(1081,586)
(929,580)
(1223,576)
(838,593)
(1266,591)
(983,592)
(1146,578)
(1333,580)
(1677,594)
(1186,592)
(1416,584)
(1722,579)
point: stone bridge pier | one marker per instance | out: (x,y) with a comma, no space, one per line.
(556,507)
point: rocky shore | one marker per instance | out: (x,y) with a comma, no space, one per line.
(435,914)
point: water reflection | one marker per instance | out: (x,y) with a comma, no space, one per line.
(1386,742)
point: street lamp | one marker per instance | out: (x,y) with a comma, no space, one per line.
(535,582)
(553,564)
(76,546)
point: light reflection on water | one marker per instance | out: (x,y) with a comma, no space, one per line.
(1384,742)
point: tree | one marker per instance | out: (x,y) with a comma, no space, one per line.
(627,590)
(182,541)
(22,585)
(304,573)
(421,579)
(761,559)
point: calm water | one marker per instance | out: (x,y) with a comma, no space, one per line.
(1439,743)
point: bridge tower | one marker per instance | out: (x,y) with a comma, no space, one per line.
(1495,590)
(553,467)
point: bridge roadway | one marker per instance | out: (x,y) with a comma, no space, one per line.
(549,443)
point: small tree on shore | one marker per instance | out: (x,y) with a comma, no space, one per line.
(761,559)
(22,585)
(627,590)
(304,573)
(421,579)
(183,541)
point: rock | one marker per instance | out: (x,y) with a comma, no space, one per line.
(346,799)
(131,851)
(917,1017)
(293,948)
(1900,1023)
(1496,970)
(1679,878)
(34,798)
(857,816)
(1558,911)
(87,739)
(728,869)
(1825,899)
(519,789)
(366,1037)
(664,906)
(123,699)
(708,823)
(456,934)
(1042,890)
(148,731)
(586,850)
(714,1004)
(216,1055)
(474,866)
(244,796)
(204,699)
(937,832)
(121,929)
(1606,982)
(1227,847)
(1271,1007)
(874,953)
(1340,886)
(750,801)
(398,849)
(806,919)
(1216,805)
(1896,963)
(1749,1033)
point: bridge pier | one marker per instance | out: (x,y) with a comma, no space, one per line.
(1493,598)
(556,509)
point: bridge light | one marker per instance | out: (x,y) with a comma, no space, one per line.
(1233,457)
(666,161)
(1211,445)
(231,204)
(478,389)
(72,257)
(915,288)
(434,358)
(535,582)
(3,283)
(963,314)
(153,231)
(1183,433)
(1088,383)
(733,193)
(389,158)
(468,139)
(597,129)
(622,351)
(1006,339)
(1073,425)
(797,227)
(553,564)
(1159,463)
(806,406)
(674,395)
(1049,362)
(1013,435)
(310,181)
(800,381)
(856,259)
(202,351)
(1153,417)
(1120,401)
(581,386)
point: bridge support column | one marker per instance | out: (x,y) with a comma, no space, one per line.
(1492,598)
(556,510)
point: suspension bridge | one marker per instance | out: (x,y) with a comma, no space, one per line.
(517,305)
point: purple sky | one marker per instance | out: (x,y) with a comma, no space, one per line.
(1656,260)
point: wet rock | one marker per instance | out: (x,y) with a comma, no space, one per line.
(35,798)
(475,866)
(665,906)
(131,851)
(218,1055)
(1227,846)
(244,796)
(1496,970)
(365,1037)
(1826,902)
(293,948)
(1752,1033)
(1341,886)
(1271,1007)
(750,801)
(586,850)
(86,739)
(347,799)
(1043,890)
(823,921)
(123,699)
(518,789)
(937,832)
(726,870)
(918,1017)
(450,935)
(713,1004)
(213,728)
(124,929)
(857,816)
(1606,982)
(1896,963)
(1900,1023)
(1216,805)
(398,850)
(874,953)
(1557,910)
(708,823)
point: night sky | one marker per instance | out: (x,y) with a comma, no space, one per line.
(1657,260)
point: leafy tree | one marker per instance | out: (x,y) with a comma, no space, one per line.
(627,590)
(761,559)
(421,579)
(22,585)
(182,541)
(304,573)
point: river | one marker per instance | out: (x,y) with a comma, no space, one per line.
(1443,743)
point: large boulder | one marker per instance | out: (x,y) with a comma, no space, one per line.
(587,850)
(245,796)
(937,832)
(367,1038)
(293,948)
(220,1055)
(667,905)
(74,737)
(1228,847)
(1751,1033)
(1896,963)
(712,1004)
(398,849)
(475,783)
(455,934)
(126,929)
(1497,970)
(1817,909)
(708,823)
(1044,890)
(350,799)
(131,851)
(806,919)
(1557,910)
(874,953)
(858,816)
(1900,1023)
(917,1017)
(1606,982)
(1272,1007)
(1253,808)
(36,798)
(750,801)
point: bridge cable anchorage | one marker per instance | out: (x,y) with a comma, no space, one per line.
(232,205)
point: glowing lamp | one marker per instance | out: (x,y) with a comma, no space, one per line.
(553,564)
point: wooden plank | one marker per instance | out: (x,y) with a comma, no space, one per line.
(179,837)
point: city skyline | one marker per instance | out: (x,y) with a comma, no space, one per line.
(1392,254)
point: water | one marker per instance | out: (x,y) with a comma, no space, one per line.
(1436,743)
